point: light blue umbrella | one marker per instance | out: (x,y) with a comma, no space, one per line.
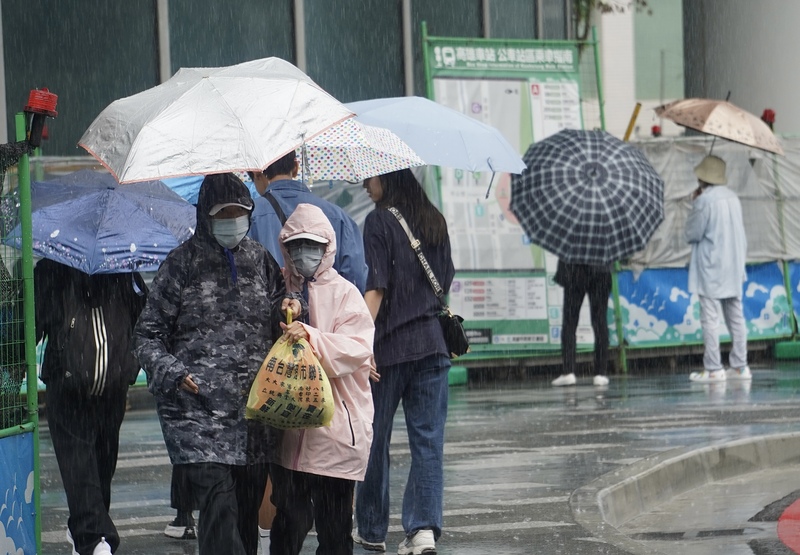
(440,135)
(88,221)
(188,187)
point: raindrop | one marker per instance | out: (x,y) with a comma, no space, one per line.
(133,247)
(55,233)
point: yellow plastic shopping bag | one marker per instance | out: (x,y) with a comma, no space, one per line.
(291,389)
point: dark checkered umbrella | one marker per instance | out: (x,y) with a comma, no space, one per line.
(587,197)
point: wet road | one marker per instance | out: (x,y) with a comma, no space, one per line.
(516,456)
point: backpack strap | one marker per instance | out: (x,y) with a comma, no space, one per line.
(275,206)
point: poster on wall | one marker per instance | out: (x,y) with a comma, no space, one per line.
(502,310)
(484,234)
(555,105)
(528,90)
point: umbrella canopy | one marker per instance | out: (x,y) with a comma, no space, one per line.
(188,187)
(721,119)
(588,197)
(212,120)
(351,151)
(86,220)
(440,135)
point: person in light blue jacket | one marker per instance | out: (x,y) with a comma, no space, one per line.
(715,230)
(280,194)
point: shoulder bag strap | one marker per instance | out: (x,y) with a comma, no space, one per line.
(275,206)
(415,244)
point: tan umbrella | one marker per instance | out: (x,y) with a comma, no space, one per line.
(720,118)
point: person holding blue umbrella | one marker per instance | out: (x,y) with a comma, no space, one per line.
(88,322)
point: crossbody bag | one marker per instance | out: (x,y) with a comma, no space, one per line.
(452,324)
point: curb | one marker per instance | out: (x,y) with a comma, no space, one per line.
(621,495)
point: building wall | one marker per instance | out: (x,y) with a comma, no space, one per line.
(91,52)
(749,49)
(618,69)
(658,53)
(88,52)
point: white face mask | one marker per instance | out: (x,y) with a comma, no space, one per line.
(306,258)
(230,231)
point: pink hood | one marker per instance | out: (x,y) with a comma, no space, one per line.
(308,218)
(340,333)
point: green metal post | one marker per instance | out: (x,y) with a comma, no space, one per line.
(623,356)
(32,392)
(437,174)
(787,283)
(428,82)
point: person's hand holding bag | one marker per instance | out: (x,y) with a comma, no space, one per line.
(291,390)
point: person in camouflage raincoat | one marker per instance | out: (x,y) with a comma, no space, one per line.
(210,319)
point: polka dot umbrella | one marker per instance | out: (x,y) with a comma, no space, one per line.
(351,151)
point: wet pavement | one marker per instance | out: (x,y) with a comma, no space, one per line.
(533,469)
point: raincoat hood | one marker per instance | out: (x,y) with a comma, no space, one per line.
(307,218)
(219,188)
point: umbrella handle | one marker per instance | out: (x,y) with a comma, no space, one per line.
(714,140)
(304,161)
(489,163)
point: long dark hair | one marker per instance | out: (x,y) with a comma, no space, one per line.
(402,190)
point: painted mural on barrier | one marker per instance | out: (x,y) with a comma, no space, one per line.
(794,279)
(17,512)
(658,310)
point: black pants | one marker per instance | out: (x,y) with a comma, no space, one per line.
(85,434)
(228,498)
(181,496)
(303,499)
(598,287)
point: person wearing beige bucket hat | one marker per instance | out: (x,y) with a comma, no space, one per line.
(715,230)
(711,170)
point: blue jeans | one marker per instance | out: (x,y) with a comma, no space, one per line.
(422,387)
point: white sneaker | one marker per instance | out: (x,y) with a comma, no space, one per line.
(102,548)
(182,527)
(564,379)
(705,376)
(600,380)
(263,535)
(369,546)
(421,542)
(739,373)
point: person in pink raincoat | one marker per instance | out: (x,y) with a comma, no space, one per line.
(314,470)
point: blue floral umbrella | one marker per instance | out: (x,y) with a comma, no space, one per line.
(88,221)
(588,197)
